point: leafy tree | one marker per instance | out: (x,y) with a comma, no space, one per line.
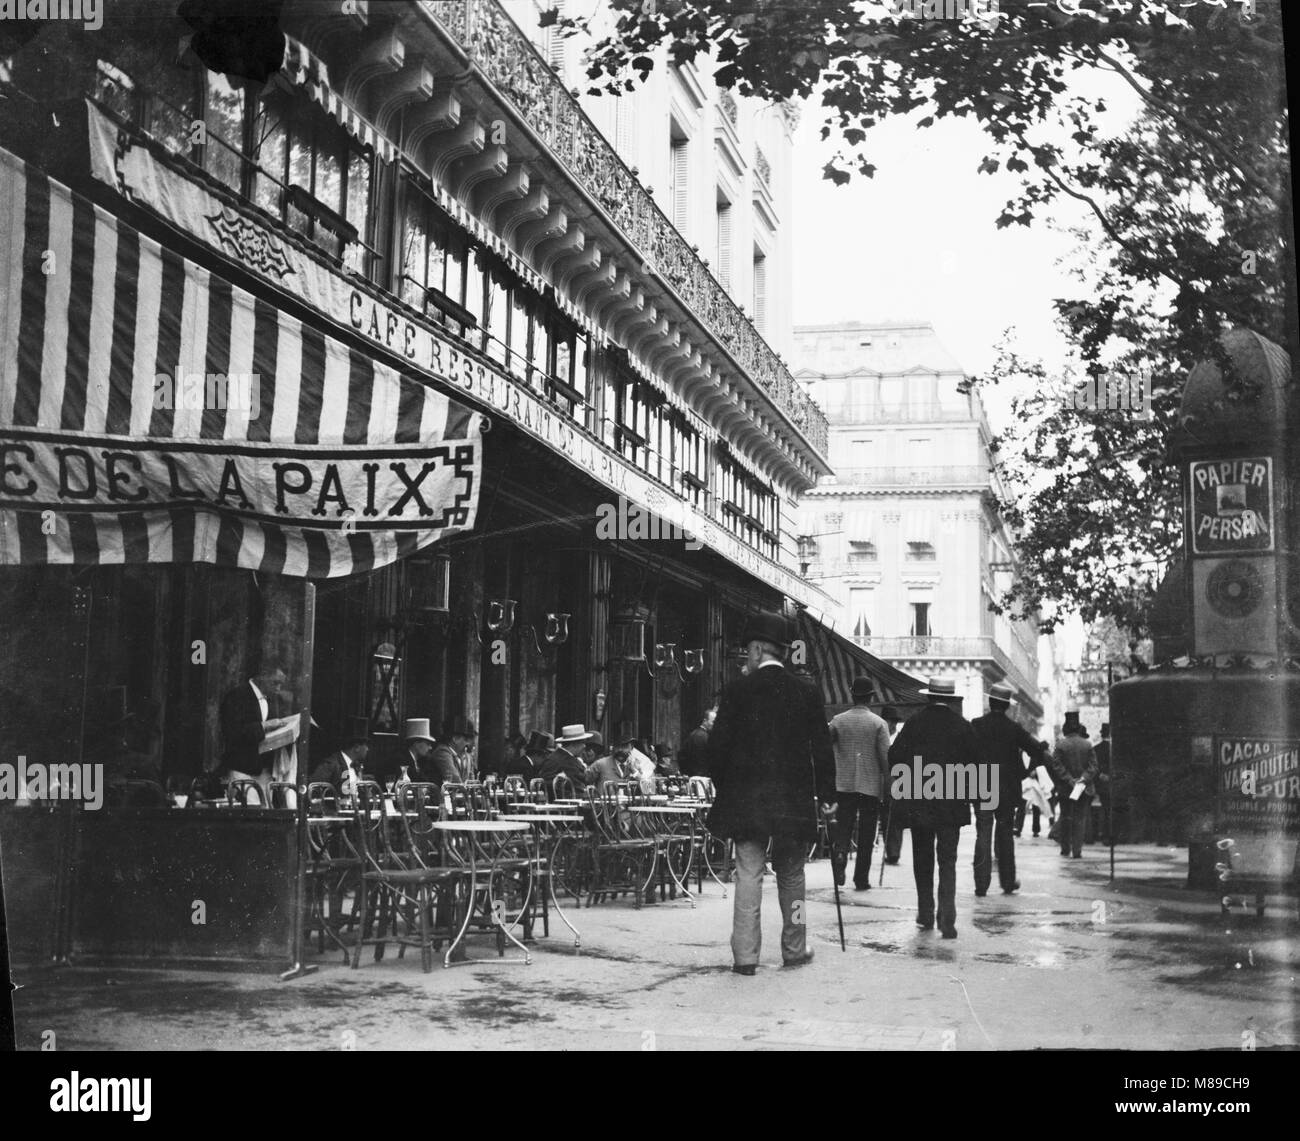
(1192,205)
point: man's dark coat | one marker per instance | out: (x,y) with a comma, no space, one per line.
(938,735)
(1001,743)
(770,758)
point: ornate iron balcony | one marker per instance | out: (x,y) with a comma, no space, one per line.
(510,62)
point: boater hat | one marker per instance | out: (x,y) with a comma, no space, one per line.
(417,729)
(939,687)
(766,626)
(571,734)
(1002,693)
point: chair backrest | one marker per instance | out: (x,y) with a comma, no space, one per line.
(240,790)
(514,784)
(420,806)
(611,820)
(537,790)
(284,794)
(322,799)
(455,801)
(562,787)
(478,799)
(701,788)
(370,831)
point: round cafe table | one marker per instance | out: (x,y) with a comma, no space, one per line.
(666,826)
(480,885)
(559,828)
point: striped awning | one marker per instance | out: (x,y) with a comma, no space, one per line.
(152,412)
(835,661)
(302,68)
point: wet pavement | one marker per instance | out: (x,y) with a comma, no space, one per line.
(1070,961)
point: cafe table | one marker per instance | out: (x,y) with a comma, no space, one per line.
(559,828)
(480,834)
(663,820)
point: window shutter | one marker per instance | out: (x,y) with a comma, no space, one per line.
(681,201)
(724,244)
(760,293)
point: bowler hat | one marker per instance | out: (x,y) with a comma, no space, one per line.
(889,713)
(458,725)
(540,743)
(417,729)
(939,687)
(357,731)
(862,687)
(1001,692)
(767,626)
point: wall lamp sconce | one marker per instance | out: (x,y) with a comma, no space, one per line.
(500,618)
(556,630)
(666,658)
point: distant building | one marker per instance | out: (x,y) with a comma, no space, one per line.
(904,535)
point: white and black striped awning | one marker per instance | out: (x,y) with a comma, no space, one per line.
(96,467)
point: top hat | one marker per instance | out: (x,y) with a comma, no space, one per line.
(1071,719)
(862,687)
(939,687)
(540,743)
(417,729)
(1001,692)
(571,734)
(767,626)
(356,731)
(458,725)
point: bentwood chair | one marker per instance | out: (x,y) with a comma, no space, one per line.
(398,896)
(284,794)
(562,787)
(537,790)
(238,792)
(621,861)
(333,868)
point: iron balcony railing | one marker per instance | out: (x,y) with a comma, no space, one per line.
(984,647)
(509,61)
(976,475)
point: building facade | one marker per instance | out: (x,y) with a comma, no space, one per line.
(416,242)
(905,536)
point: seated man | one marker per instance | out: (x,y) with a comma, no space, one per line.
(342,769)
(611,768)
(566,760)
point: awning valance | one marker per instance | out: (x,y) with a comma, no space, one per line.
(152,412)
(835,661)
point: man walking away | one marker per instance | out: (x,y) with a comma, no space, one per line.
(1073,763)
(770,758)
(861,743)
(1002,742)
(694,759)
(936,736)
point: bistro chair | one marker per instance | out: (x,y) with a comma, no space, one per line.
(537,790)
(419,896)
(284,794)
(478,800)
(238,792)
(332,866)
(562,787)
(455,802)
(621,860)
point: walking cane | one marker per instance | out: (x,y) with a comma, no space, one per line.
(884,847)
(839,912)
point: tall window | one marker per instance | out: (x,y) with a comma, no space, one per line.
(678,179)
(921,620)
(760,291)
(723,263)
(859,614)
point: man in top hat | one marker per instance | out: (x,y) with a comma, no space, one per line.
(861,743)
(419,744)
(1073,764)
(937,735)
(771,760)
(1002,742)
(566,760)
(342,769)
(449,761)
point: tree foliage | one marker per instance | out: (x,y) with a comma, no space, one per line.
(1192,211)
